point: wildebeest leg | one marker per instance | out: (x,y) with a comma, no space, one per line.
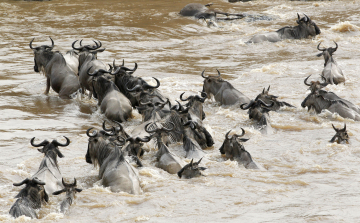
(46,92)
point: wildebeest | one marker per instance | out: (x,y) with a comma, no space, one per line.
(202,11)
(88,62)
(191,170)
(268,98)
(70,190)
(167,160)
(320,100)
(222,90)
(59,76)
(259,111)
(331,73)
(341,135)
(233,149)
(305,28)
(190,144)
(49,170)
(112,102)
(114,171)
(29,198)
(195,106)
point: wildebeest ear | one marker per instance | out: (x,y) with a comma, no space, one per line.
(41,150)
(46,196)
(202,168)
(78,190)
(319,55)
(59,153)
(59,192)
(243,140)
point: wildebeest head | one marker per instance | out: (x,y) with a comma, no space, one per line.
(191,170)
(232,146)
(42,55)
(211,83)
(118,130)
(97,141)
(314,86)
(341,135)
(326,52)
(50,149)
(101,83)
(307,26)
(84,51)
(34,190)
(134,148)
(70,189)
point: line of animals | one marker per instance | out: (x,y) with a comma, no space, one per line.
(118,91)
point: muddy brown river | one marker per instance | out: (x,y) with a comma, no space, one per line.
(302,177)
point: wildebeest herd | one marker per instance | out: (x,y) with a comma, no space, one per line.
(118,91)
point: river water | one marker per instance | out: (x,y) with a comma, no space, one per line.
(302,177)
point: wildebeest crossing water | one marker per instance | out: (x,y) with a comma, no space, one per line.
(301,175)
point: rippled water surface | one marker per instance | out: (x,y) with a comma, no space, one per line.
(303,177)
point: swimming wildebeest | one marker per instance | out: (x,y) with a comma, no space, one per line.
(202,11)
(112,102)
(191,170)
(29,198)
(341,135)
(59,76)
(88,62)
(222,90)
(49,170)
(331,73)
(70,190)
(190,144)
(305,28)
(320,100)
(167,160)
(233,149)
(114,171)
(259,111)
(268,98)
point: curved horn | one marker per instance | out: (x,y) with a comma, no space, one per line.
(227,135)
(94,133)
(336,129)
(266,105)
(244,106)
(31,44)
(52,43)
(146,139)
(306,81)
(121,139)
(60,144)
(318,47)
(202,74)
(218,72)
(131,139)
(65,184)
(74,184)
(22,182)
(307,18)
(91,74)
(344,129)
(43,143)
(198,162)
(184,99)
(73,45)
(268,88)
(146,85)
(336,46)
(119,124)
(37,181)
(138,86)
(104,127)
(298,16)
(242,134)
(150,131)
